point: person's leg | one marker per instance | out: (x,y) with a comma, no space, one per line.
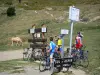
(51,58)
(81,53)
(48,61)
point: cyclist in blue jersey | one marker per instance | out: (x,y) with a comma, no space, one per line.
(52,49)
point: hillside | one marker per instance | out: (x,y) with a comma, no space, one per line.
(55,20)
(40,4)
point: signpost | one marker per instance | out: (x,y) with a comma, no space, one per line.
(73,16)
(32,30)
(63,33)
(74,13)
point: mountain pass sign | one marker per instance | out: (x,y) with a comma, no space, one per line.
(74,13)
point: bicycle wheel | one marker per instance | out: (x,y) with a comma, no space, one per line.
(42,64)
(77,62)
(30,57)
(25,54)
(85,62)
(77,59)
(52,68)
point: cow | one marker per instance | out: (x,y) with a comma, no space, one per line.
(16,40)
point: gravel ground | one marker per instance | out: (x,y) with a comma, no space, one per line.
(29,70)
(9,55)
(34,71)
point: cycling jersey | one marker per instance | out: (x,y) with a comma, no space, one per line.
(78,42)
(59,42)
(52,47)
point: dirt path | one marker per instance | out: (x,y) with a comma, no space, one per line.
(16,54)
(77,71)
(34,71)
(9,55)
(28,71)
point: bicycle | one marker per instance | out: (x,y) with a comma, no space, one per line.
(45,63)
(25,53)
(80,57)
(30,54)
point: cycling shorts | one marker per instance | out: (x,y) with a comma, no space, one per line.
(51,55)
(78,46)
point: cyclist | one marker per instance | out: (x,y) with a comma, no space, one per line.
(52,49)
(78,41)
(58,41)
(59,44)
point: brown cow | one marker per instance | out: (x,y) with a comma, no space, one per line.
(16,40)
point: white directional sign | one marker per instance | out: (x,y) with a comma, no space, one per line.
(74,13)
(64,31)
(32,30)
(38,35)
(44,29)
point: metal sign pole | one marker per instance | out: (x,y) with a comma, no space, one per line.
(71,32)
(62,53)
(63,33)
(73,16)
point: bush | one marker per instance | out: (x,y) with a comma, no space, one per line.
(85,19)
(11,11)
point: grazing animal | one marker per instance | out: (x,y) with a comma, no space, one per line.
(16,40)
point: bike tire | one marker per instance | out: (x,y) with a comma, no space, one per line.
(25,56)
(30,57)
(77,62)
(85,62)
(52,68)
(42,64)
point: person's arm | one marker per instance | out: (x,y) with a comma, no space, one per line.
(50,47)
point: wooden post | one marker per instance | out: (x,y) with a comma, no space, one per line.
(43,33)
(38,42)
(33,34)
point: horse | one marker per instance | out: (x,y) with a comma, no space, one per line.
(16,40)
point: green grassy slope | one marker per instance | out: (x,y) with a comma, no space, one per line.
(40,4)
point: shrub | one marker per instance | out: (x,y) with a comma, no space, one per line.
(11,11)
(85,19)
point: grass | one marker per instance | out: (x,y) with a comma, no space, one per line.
(19,25)
(14,66)
(91,40)
(40,4)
